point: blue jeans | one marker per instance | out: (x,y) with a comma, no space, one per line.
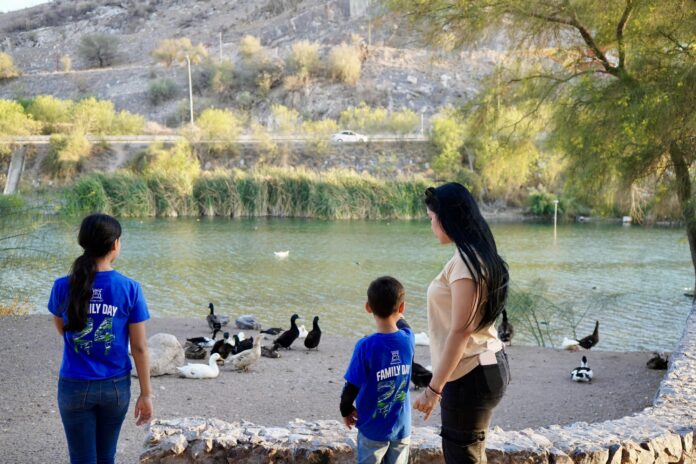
(92,412)
(382,452)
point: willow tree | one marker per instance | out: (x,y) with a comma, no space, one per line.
(618,75)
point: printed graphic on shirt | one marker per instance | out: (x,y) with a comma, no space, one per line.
(388,394)
(104,333)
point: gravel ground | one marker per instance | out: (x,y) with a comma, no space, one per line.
(300,384)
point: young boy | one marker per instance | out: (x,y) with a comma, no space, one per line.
(378,378)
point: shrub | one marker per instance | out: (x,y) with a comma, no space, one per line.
(70,148)
(319,133)
(177,164)
(364,119)
(125,123)
(53,113)
(304,57)
(7,67)
(286,119)
(162,90)
(219,125)
(403,122)
(222,79)
(65,63)
(541,202)
(296,81)
(11,204)
(249,47)
(265,145)
(344,63)
(170,51)
(14,121)
(99,49)
(93,116)
(447,135)
(87,195)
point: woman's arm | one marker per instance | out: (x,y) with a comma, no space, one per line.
(138,342)
(58,322)
(463,299)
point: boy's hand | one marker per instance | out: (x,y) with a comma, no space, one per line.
(351,419)
(425,403)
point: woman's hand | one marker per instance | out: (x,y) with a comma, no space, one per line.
(426,403)
(143,410)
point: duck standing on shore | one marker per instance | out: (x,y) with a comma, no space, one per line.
(314,336)
(505,330)
(287,338)
(223,347)
(658,362)
(201,371)
(586,342)
(246,359)
(241,343)
(214,319)
(582,373)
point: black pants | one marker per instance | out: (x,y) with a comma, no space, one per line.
(467,406)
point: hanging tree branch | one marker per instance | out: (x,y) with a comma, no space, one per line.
(620,34)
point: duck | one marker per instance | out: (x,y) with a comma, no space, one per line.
(269,352)
(591,340)
(201,371)
(420,376)
(505,330)
(272,331)
(214,319)
(312,339)
(422,339)
(194,351)
(570,344)
(241,343)
(242,361)
(582,373)
(223,347)
(303,332)
(658,362)
(282,254)
(287,338)
(204,342)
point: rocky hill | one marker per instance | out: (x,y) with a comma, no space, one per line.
(396,72)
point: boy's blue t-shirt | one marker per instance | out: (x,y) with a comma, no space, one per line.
(381,369)
(100,351)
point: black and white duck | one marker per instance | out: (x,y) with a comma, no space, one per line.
(314,336)
(269,352)
(582,373)
(223,347)
(505,330)
(420,376)
(204,342)
(214,319)
(658,362)
(586,342)
(241,343)
(287,338)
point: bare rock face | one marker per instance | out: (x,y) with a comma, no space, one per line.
(660,434)
(166,354)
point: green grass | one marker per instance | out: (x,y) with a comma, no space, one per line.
(338,194)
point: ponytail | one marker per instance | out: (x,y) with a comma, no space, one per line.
(98,233)
(81,279)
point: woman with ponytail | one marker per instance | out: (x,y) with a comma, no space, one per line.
(97,310)
(470,368)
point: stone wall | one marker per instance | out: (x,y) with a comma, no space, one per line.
(663,433)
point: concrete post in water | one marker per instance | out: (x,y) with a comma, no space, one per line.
(14,173)
(555,218)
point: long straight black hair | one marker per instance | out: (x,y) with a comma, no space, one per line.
(461,220)
(97,235)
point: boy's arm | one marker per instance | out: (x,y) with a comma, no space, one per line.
(401,324)
(350,392)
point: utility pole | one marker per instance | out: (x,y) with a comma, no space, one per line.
(188,62)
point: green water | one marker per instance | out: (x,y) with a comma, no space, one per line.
(629,278)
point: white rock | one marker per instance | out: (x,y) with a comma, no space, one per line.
(166,354)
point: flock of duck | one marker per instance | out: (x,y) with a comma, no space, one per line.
(241,352)
(238,351)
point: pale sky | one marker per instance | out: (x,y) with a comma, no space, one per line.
(11,5)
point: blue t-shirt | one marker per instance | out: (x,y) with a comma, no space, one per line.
(100,351)
(381,369)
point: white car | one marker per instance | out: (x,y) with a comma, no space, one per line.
(348,136)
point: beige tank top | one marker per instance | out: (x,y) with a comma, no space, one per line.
(440,320)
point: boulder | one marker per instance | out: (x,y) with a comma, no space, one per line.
(247,322)
(166,354)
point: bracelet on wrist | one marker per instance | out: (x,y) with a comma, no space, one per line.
(437,393)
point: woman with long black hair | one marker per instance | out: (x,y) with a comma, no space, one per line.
(470,368)
(97,310)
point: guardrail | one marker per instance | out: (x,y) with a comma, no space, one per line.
(146,139)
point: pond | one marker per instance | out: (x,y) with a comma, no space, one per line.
(631,279)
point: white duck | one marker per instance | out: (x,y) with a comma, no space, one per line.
(201,371)
(422,339)
(242,361)
(282,254)
(303,332)
(582,373)
(570,344)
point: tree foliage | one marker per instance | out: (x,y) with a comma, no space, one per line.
(616,76)
(170,51)
(8,69)
(98,49)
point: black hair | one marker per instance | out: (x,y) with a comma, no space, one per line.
(461,219)
(97,235)
(385,295)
